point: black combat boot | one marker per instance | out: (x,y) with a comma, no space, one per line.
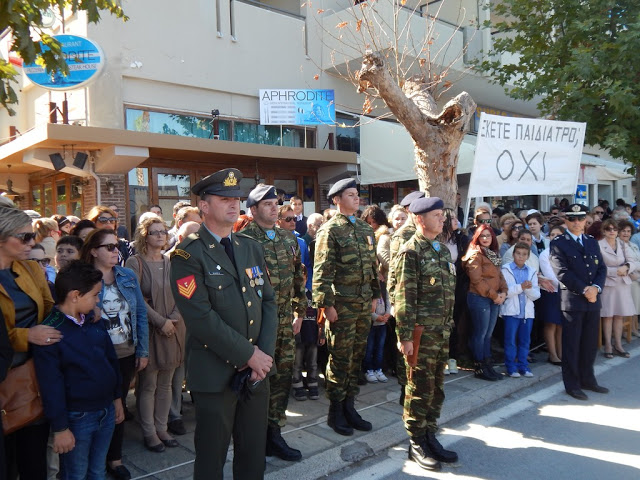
(353,417)
(336,419)
(488,365)
(437,450)
(419,453)
(481,372)
(277,447)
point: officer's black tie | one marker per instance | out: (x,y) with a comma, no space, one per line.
(228,248)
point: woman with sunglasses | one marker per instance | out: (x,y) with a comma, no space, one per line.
(487,291)
(166,333)
(25,300)
(123,309)
(511,232)
(617,301)
(505,223)
(106,219)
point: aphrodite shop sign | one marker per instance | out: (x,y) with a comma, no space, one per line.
(84,58)
(297,107)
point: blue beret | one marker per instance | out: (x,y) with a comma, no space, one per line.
(341,186)
(406,201)
(261,192)
(223,183)
(425,204)
(576,210)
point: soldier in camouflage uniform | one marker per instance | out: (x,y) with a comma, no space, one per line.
(282,256)
(345,282)
(398,239)
(424,299)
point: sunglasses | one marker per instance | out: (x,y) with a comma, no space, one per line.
(611,229)
(45,262)
(518,227)
(488,220)
(485,236)
(24,237)
(288,219)
(107,220)
(599,213)
(158,233)
(575,219)
(109,246)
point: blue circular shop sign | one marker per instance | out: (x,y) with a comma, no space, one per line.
(84,58)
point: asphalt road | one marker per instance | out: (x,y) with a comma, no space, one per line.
(540,433)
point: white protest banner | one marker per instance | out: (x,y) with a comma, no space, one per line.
(526,156)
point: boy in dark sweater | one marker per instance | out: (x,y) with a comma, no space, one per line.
(79,376)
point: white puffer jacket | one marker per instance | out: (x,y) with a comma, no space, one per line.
(511,305)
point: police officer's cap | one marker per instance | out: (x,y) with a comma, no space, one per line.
(576,210)
(425,205)
(340,187)
(406,201)
(261,192)
(223,183)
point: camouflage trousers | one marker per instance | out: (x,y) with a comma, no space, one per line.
(347,342)
(281,382)
(424,393)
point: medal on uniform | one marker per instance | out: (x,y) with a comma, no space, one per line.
(218,267)
(271,234)
(352,218)
(259,280)
(432,281)
(596,260)
(370,241)
(436,246)
(260,293)
(249,272)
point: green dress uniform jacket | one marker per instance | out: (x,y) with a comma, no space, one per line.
(225,315)
(345,267)
(398,239)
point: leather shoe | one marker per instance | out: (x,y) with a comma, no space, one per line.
(578,394)
(437,450)
(176,427)
(171,443)
(420,453)
(159,448)
(596,388)
(119,472)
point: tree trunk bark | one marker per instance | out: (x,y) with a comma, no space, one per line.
(437,135)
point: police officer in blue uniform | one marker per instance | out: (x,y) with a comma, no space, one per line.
(577,262)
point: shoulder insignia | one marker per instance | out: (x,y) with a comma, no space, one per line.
(187,286)
(180,253)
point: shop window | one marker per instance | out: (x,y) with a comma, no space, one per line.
(271,134)
(174,124)
(347,133)
(55,195)
(172,188)
(138,180)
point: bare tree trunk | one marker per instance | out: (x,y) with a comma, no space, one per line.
(437,135)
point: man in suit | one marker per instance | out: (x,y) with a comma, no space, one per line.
(301,220)
(221,286)
(577,262)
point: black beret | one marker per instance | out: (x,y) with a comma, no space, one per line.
(261,192)
(223,183)
(425,204)
(406,201)
(341,186)
(576,210)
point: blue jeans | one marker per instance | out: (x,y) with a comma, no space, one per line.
(484,314)
(92,431)
(517,338)
(375,347)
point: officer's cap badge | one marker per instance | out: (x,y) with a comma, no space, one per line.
(231,180)
(576,208)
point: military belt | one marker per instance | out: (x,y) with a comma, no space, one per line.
(349,290)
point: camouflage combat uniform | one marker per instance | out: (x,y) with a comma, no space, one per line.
(398,239)
(282,256)
(345,276)
(424,296)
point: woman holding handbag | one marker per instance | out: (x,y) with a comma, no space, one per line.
(25,300)
(166,333)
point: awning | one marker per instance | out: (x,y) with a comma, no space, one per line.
(387,153)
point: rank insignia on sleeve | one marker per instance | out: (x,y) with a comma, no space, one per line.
(187,286)
(181,253)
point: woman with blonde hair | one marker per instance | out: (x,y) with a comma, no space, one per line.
(106,219)
(166,333)
(47,235)
(505,223)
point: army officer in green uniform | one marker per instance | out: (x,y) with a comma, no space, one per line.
(220,285)
(282,255)
(345,283)
(424,298)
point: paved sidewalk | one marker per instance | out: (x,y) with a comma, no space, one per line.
(323,450)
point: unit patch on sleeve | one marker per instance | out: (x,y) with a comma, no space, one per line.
(181,253)
(187,286)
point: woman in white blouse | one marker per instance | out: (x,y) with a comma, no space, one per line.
(633,251)
(549,304)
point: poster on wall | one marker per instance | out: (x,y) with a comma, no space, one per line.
(297,107)
(582,196)
(526,156)
(84,58)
